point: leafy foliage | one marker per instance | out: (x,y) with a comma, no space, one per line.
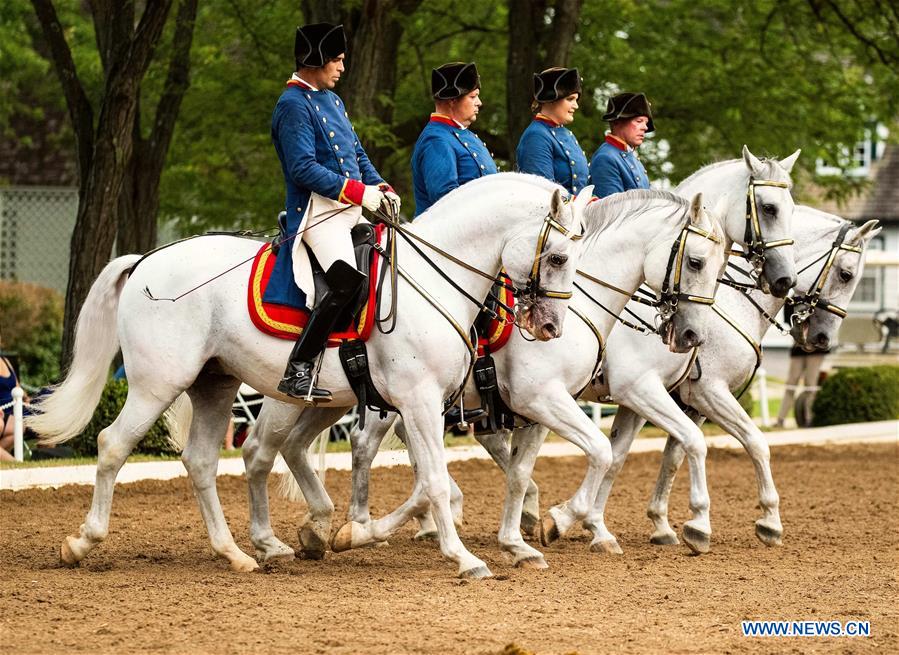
(32,328)
(854,395)
(155,442)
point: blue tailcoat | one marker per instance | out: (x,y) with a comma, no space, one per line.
(552,151)
(613,170)
(446,156)
(319,151)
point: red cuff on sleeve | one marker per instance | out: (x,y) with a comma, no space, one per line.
(352,192)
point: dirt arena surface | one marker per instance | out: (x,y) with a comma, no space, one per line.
(155,587)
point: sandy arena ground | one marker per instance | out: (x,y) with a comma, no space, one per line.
(154,585)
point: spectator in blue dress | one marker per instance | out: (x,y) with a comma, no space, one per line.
(447,153)
(615,166)
(548,148)
(8,382)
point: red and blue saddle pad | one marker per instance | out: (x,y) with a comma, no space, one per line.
(286,322)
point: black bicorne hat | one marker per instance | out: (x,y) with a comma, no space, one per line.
(454,80)
(556,83)
(629,105)
(317,44)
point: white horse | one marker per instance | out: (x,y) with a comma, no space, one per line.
(641,371)
(657,237)
(762,185)
(205,344)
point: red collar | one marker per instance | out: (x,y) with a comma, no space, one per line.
(546,120)
(446,120)
(301,84)
(615,141)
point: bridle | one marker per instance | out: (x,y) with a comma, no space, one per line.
(671,295)
(799,308)
(755,245)
(532,289)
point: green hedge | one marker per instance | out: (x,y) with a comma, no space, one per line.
(854,395)
(31,325)
(155,442)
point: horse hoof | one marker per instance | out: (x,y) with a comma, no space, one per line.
(267,557)
(536,563)
(698,541)
(477,573)
(664,539)
(609,546)
(245,564)
(343,538)
(67,555)
(311,554)
(530,525)
(426,535)
(312,546)
(549,531)
(768,535)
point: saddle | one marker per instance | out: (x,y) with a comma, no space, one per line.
(287,322)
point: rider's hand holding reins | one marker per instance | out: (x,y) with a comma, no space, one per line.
(372,198)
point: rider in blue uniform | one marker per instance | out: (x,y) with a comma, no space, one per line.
(615,166)
(548,148)
(448,154)
(319,152)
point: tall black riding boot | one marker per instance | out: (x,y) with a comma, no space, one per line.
(344,283)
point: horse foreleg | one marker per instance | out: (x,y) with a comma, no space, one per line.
(315,530)
(625,427)
(497,445)
(365,444)
(211,397)
(721,407)
(652,400)
(259,451)
(559,412)
(526,444)
(114,444)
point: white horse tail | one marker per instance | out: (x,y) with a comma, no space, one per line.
(177,419)
(63,414)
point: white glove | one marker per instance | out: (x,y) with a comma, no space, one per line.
(394,201)
(372,198)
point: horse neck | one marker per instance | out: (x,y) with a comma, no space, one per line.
(474,234)
(618,257)
(729,181)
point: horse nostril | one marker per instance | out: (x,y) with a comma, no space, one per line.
(550,330)
(822,340)
(782,285)
(690,338)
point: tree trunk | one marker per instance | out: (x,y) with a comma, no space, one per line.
(103,170)
(534,46)
(525,21)
(139,202)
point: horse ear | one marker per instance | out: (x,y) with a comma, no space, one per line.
(752,162)
(557,209)
(788,162)
(864,234)
(583,199)
(696,209)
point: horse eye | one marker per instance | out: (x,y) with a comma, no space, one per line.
(695,263)
(845,275)
(769,209)
(557,259)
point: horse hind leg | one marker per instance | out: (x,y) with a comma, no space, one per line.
(114,444)
(212,396)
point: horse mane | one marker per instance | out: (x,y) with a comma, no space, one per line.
(474,185)
(772,166)
(606,213)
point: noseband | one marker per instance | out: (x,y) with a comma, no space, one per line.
(755,244)
(799,308)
